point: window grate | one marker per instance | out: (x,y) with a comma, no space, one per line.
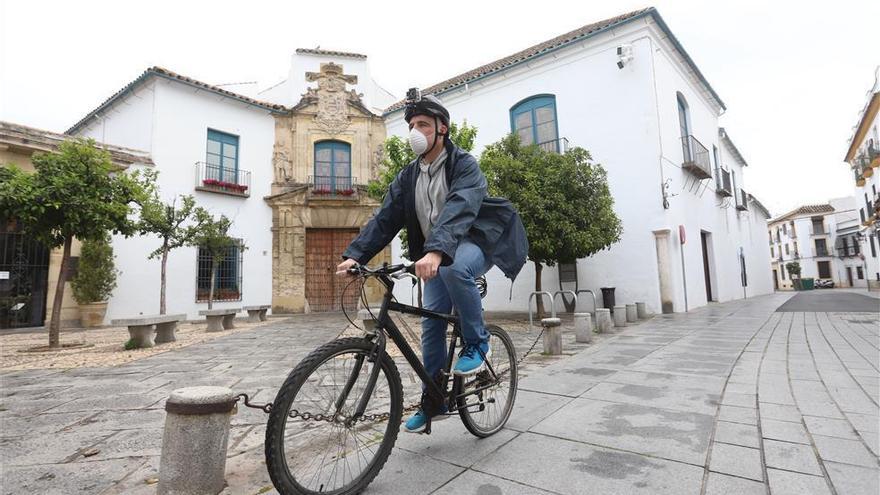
(228,282)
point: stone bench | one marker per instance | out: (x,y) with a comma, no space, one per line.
(257,314)
(220,319)
(141,328)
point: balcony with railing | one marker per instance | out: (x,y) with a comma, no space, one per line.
(818,229)
(723,183)
(223,180)
(742,202)
(695,157)
(848,251)
(558,145)
(821,251)
(332,186)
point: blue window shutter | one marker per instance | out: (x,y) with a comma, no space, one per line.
(333,165)
(538,111)
(222,156)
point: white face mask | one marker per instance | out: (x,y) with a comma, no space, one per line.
(418,142)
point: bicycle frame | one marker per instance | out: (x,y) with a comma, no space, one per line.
(387,325)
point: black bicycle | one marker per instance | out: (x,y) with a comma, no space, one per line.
(336,418)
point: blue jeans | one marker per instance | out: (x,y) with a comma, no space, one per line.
(454,285)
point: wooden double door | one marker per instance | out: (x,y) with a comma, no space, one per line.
(324,290)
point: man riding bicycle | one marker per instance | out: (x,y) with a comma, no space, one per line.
(455,233)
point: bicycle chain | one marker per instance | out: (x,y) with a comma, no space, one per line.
(337,418)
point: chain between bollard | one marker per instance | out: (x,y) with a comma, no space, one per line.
(339,418)
(266,408)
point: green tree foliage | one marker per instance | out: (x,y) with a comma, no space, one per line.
(213,236)
(76,192)
(176,225)
(563,199)
(96,274)
(397,155)
(794,269)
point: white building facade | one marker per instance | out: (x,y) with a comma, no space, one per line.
(189,128)
(863,157)
(822,239)
(626,90)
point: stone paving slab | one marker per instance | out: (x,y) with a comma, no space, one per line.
(477,483)
(668,405)
(662,433)
(567,467)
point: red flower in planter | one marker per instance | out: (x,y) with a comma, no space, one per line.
(345,192)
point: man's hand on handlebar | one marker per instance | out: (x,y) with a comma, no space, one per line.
(426,268)
(342,268)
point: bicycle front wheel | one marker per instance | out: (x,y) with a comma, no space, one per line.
(484,412)
(310,446)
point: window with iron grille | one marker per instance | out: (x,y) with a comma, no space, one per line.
(859,273)
(227,283)
(824,269)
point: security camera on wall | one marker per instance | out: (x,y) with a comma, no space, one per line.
(624,55)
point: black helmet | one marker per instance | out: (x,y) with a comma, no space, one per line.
(428,105)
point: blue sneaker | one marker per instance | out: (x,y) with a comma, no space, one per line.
(470,360)
(416,423)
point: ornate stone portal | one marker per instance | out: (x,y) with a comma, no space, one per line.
(305,217)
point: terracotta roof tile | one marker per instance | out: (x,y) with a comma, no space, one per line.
(332,53)
(167,74)
(805,210)
(541,48)
(30,139)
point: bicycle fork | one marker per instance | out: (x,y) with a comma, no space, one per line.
(373,357)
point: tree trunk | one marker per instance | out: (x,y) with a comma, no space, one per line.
(55,322)
(539,299)
(162,285)
(211,289)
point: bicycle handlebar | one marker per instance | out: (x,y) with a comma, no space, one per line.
(385,269)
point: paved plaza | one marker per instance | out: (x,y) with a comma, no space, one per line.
(775,394)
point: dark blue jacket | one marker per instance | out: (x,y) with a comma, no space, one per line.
(492,223)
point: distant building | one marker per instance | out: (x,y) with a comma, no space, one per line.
(863,157)
(821,238)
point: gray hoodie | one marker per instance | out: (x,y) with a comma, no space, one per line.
(431,190)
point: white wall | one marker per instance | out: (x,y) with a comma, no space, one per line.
(128,124)
(179,125)
(614,114)
(291,90)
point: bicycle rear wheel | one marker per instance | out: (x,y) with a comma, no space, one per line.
(486,412)
(326,455)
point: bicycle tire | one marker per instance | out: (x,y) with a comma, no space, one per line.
(468,417)
(276,461)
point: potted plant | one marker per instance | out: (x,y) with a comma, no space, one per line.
(94,281)
(794,271)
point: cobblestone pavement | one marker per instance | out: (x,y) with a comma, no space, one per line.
(730,398)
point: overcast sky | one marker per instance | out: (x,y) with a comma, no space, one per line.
(793,76)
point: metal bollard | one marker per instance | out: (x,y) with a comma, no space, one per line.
(641,310)
(631,314)
(194,443)
(619,316)
(368,322)
(552,336)
(603,320)
(583,327)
